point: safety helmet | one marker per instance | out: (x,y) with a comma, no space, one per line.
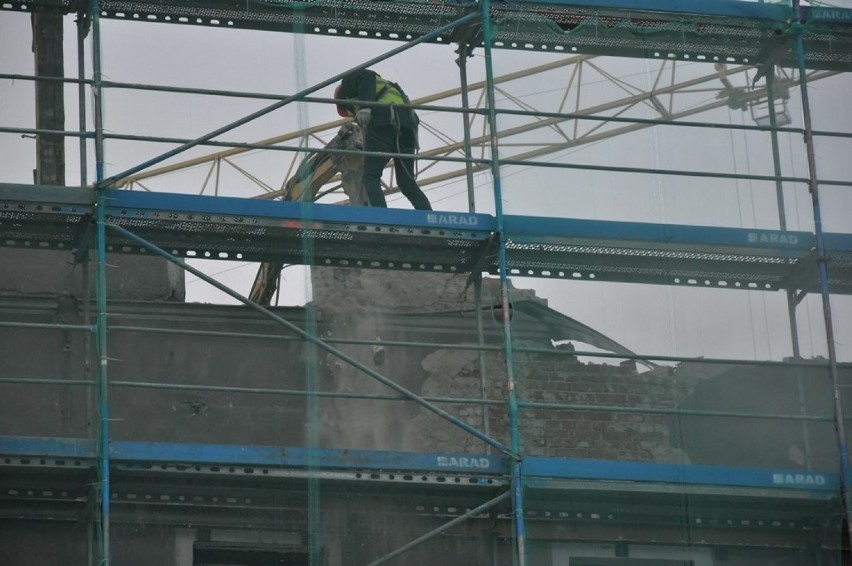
(343,112)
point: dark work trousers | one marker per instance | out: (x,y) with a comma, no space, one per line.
(386,139)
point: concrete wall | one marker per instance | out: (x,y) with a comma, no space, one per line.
(47,273)
(163,343)
(140,357)
(178,344)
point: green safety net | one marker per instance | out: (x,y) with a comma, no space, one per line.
(630,367)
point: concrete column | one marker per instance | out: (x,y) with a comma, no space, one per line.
(50,105)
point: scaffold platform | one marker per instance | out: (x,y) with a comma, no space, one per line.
(54,472)
(227,228)
(722,31)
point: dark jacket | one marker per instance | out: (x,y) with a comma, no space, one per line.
(371,87)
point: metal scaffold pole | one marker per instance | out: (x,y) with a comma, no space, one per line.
(792,300)
(82,30)
(517,487)
(465,51)
(103,489)
(822,266)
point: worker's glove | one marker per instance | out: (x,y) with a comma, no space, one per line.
(363,116)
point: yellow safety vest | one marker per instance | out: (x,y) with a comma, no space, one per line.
(389,92)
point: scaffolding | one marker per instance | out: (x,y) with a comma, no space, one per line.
(509,496)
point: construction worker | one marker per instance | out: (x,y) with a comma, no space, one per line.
(387,129)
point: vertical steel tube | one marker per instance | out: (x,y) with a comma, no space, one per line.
(81,94)
(97,91)
(483,374)
(82,19)
(782,225)
(103,397)
(100,294)
(87,342)
(776,159)
(312,432)
(792,301)
(464,53)
(493,537)
(312,427)
(517,500)
(823,278)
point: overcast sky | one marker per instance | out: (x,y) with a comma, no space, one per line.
(648,319)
